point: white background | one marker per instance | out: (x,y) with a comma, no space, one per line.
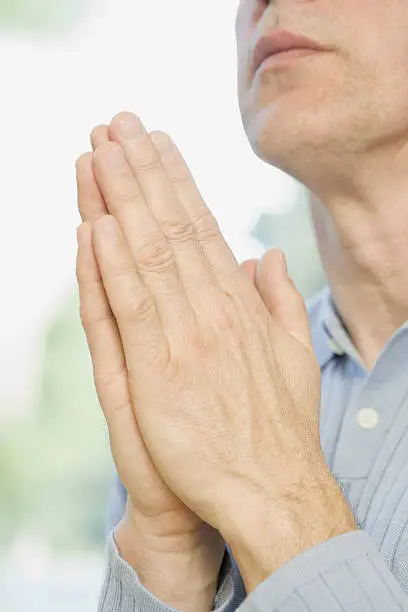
(174,64)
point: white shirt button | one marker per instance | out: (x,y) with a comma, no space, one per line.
(368,418)
(333,346)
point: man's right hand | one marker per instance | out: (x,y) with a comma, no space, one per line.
(176,556)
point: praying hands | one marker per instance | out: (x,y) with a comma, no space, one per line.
(204,369)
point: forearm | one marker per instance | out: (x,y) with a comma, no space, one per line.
(178,572)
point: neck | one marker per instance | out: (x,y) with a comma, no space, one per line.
(362,234)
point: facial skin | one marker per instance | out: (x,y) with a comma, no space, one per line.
(326,111)
(338,122)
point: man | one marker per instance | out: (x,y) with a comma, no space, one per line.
(210,378)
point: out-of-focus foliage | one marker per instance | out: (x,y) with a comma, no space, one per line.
(293,233)
(56,470)
(43,16)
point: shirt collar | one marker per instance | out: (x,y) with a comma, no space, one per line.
(329,336)
(318,309)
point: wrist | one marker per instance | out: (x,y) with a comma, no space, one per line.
(181,571)
(272,532)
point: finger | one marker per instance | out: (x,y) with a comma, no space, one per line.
(134,308)
(284,302)
(106,351)
(145,162)
(132,459)
(99,134)
(249,268)
(220,256)
(90,201)
(152,254)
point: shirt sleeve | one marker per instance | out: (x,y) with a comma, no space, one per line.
(123,592)
(344,574)
(116,504)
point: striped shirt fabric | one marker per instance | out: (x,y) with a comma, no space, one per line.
(364,435)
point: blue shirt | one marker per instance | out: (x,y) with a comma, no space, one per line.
(364,434)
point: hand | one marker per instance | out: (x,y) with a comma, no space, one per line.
(226,398)
(150,499)
(154,514)
(156,521)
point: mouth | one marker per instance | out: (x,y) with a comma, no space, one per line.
(281,45)
(284,57)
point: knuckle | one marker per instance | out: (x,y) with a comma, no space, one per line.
(155,255)
(207,226)
(91,316)
(137,306)
(228,323)
(179,232)
(146,158)
(127,195)
(175,369)
(108,381)
(225,323)
(179,177)
(124,271)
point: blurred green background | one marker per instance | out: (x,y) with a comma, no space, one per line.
(44,17)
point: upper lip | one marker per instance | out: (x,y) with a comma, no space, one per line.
(280,40)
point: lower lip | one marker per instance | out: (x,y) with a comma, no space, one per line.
(284,57)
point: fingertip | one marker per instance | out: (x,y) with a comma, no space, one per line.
(84,163)
(249,268)
(84,233)
(283,300)
(273,265)
(99,134)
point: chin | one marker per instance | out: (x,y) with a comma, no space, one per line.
(301,117)
(291,139)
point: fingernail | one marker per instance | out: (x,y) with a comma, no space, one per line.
(130,127)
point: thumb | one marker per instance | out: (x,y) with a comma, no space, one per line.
(249,268)
(280,296)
